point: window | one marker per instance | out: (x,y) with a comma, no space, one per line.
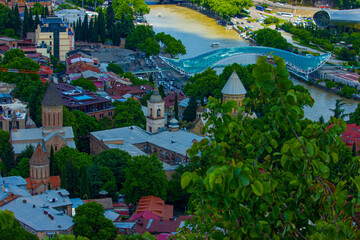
(50,43)
(50,36)
(158,112)
(151,112)
(149,129)
(55,148)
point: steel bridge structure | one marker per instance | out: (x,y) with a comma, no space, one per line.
(297,64)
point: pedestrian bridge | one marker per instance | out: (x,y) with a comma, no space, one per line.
(298,64)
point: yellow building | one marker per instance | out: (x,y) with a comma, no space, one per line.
(56,36)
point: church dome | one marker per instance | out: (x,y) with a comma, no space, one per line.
(39,156)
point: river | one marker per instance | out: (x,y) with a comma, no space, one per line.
(198,31)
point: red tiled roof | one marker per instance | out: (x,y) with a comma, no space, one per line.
(351,135)
(45,70)
(146,215)
(155,205)
(170,99)
(79,67)
(123,89)
(4,48)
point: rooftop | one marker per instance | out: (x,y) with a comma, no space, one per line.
(234,86)
(34,216)
(73,96)
(52,96)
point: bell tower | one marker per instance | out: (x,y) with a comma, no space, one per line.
(234,90)
(39,165)
(52,109)
(155,119)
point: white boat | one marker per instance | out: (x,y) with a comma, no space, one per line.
(215,44)
(159,15)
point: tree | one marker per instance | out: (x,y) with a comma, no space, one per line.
(101,26)
(203,85)
(116,160)
(4,139)
(138,37)
(115,68)
(176,107)
(271,38)
(321,119)
(145,176)
(90,222)
(110,17)
(8,158)
(66,237)
(354,117)
(129,113)
(105,123)
(338,110)
(84,183)
(11,228)
(85,84)
(67,163)
(52,161)
(150,47)
(271,177)
(23,167)
(189,114)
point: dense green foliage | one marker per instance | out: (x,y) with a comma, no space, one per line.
(94,31)
(143,38)
(115,68)
(10,22)
(189,114)
(85,84)
(129,113)
(271,38)
(11,228)
(145,176)
(82,125)
(117,161)
(224,8)
(90,222)
(279,176)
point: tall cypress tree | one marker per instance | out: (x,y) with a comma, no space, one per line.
(176,107)
(85,28)
(101,24)
(91,30)
(8,158)
(51,165)
(354,154)
(46,11)
(31,21)
(43,13)
(96,31)
(37,20)
(110,18)
(17,23)
(26,22)
(84,183)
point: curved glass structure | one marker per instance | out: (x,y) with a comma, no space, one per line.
(297,63)
(342,17)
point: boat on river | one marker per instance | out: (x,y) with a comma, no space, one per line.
(159,15)
(215,44)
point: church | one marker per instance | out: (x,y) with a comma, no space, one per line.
(52,133)
(170,143)
(40,179)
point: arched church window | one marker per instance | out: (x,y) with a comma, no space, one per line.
(158,112)
(151,112)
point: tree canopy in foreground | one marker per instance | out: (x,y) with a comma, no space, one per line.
(276,177)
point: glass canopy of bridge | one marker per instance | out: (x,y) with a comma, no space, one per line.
(302,64)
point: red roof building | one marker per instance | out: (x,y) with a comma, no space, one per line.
(122,89)
(80,67)
(351,135)
(156,206)
(40,178)
(170,102)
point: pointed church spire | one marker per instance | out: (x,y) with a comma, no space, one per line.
(155,97)
(52,96)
